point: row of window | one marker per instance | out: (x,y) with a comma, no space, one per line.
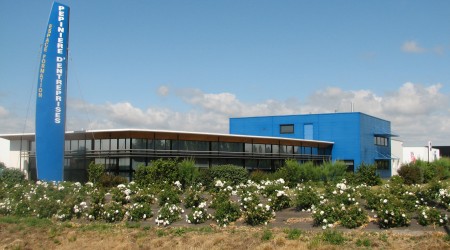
(148,144)
(381,141)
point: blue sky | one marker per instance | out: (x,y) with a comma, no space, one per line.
(190,65)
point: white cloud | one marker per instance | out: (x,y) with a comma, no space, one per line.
(412,47)
(3,112)
(418,113)
(163,90)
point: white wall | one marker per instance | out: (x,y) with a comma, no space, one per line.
(4,152)
(10,154)
(420,153)
(397,156)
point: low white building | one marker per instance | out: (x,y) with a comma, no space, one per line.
(412,154)
(10,154)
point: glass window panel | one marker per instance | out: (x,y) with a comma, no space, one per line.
(251,164)
(275,149)
(137,161)
(82,145)
(124,144)
(287,129)
(268,148)
(258,148)
(104,144)
(97,145)
(214,146)
(248,147)
(66,145)
(88,145)
(264,164)
(113,144)
(231,146)
(162,144)
(100,161)
(124,163)
(73,145)
(138,143)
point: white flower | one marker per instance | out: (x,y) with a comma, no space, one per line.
(385,201)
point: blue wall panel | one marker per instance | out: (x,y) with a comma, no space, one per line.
(352,133)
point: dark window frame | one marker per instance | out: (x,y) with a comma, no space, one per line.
(287,129)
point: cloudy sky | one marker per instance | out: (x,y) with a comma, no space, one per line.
(191,65)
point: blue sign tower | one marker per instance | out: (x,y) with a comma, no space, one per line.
(51,96)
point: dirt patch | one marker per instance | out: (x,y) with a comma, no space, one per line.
(146,236)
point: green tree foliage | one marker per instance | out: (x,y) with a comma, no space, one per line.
(333,171)
(95,172)
(10,175)
(231,174)
(293,172)
(167,171)
(188,173)
(159,173)
(368,174)
(425,172)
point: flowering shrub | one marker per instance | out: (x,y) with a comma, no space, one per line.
(409,201)
(305,198)
(227,212)
(193,197)
(96,204)
(353,217)
(249,200)
(431,216)
(221,195)
(139,211)
(259,214)
(121,194)
(443,198)
(272,187)
(44,207)
(142,195)
(198,214)
(169,195)
(168,213)
(391,215)
(113,212)
(325,214)
(6,206)
(343,194)
(279,200)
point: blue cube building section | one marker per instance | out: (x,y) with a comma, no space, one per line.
(354,134)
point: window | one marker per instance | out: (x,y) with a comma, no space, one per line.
(381,141)
(287,129)
(350,165)
(382,164)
